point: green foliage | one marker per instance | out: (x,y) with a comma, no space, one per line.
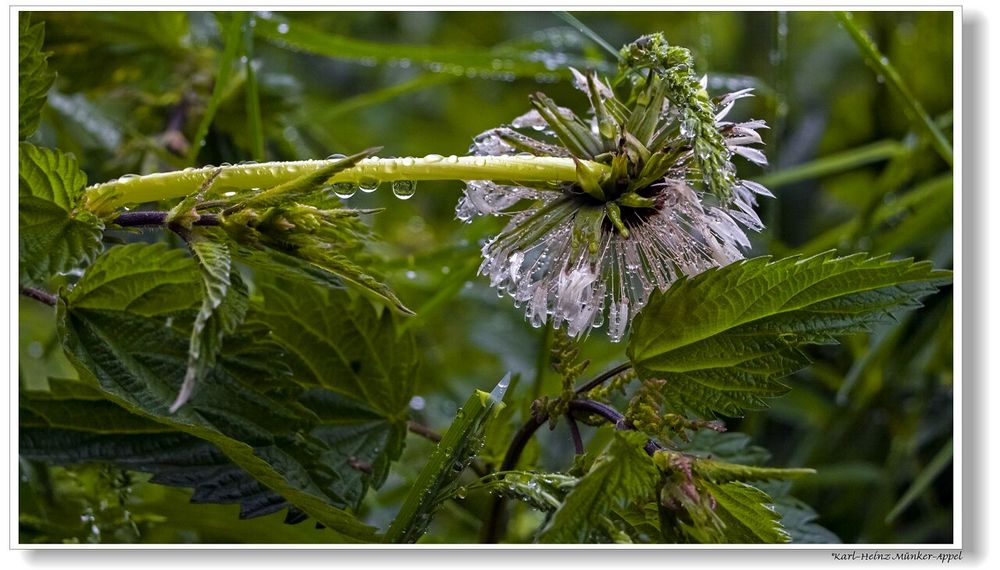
(722,340)
(623,474)
(453,454)
(223,307)
(56,236)
(33,75)
(313,443)
(304,390)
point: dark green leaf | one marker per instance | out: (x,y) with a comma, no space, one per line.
(724,338)
(317,448)
(54,235)
(622,475)
(33,75)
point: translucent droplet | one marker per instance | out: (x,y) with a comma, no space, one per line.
(433,158)
(369,184)
(411,274)
(282,28)
(344,189)
(461,492)
(337,156)
(128,177)
(404,189)
(452,159)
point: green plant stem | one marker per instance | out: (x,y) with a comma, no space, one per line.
(603,378)
(168,185)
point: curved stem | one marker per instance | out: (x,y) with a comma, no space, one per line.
(496,522)
(603,378)
(167,185)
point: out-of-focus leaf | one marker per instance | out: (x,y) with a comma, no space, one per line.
(33,75)
(54,235)
(501,62)
(723,339)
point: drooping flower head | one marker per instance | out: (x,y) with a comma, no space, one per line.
(656,195)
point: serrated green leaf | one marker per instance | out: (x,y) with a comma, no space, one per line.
(746,513)
(456,450)
(317,448)
(143,279)
(33,75)
(54,236)
(724,472)
(223,308)
(622,475)
(73,424)
(342,346)
(723,339)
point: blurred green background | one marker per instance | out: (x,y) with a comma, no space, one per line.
(849,166)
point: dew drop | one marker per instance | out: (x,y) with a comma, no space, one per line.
(461,492)
(433,158)
(368,184)
(452,159)
(344,189)
(282,28)
(404,189)
(337,156)
(411,274)
(128,177)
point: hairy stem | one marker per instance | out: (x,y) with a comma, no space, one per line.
(167,185)
(156,218)
(39,295)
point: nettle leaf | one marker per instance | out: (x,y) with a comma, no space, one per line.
(72,424)
(456,450)
(223,308)
(708,448)
(622,475)
(33,75)
(746,514)
(146,280)
(54,234)
(313,438)
(723,339)
(342,345)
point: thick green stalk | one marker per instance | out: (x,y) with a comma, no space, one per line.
(167,185)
